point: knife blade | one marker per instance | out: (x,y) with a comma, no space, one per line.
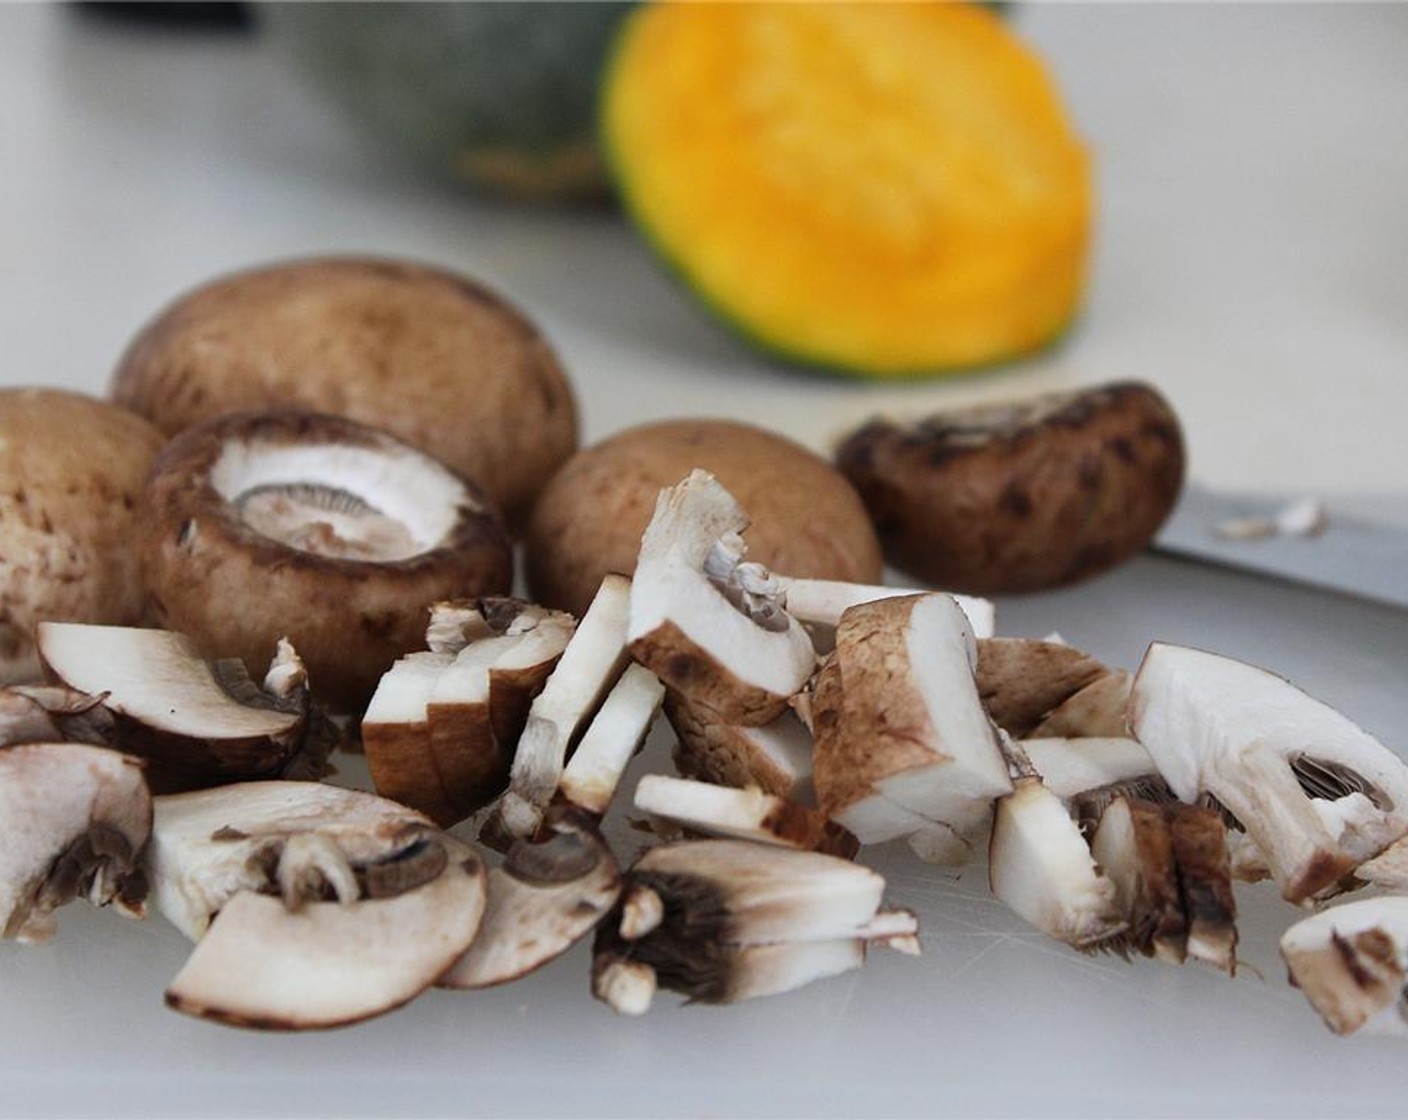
(1361,549)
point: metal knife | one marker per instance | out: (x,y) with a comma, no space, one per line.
(1361,548)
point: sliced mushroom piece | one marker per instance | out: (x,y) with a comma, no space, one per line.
(706,622)
(776,757)
(734,920)
(1042,868)
(197,723)
(594,659)
(820,603)
(263,963)
(901,735)
(743,814)
(546,896)
(1351,961)
(301,840)
(590,779)
(77,819)
(1099,710)
(1020,680)
(1316,793)
(1133,847)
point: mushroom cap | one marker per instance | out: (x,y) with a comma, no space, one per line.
(807,521)
(1018,498)
(236,591)
(71,471)
(433,357)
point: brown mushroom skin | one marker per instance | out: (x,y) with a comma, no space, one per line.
(71,471)
(235,592)
(1006,500)
(430,356)
(807,520)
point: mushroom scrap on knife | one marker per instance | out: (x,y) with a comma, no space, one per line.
(1318,795)
(311,906)
(197,722)
(727,920)
(77,819)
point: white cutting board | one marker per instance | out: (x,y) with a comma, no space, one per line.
(1250,261)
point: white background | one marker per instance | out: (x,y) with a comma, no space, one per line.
(1252,262)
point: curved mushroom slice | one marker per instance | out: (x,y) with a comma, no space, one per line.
(1317,794)
(743,814)
(1351,961)
(820,603)
(705,622)
(326,964)
(77,820)
(591,664)
(1020,680)
(198,723)
(1099,710)
(724,920)
(776,757)
(300,840)
(903,745)
(545,897)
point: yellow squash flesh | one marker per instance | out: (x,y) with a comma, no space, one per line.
(886,189)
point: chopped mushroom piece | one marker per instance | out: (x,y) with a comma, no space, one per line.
(1317,794)
(1351,961)
(705,621)
(1133,847)
(76,819)
(442,726)
(903,745)
(1041,867)
(1099,710)
(738,920)
(1205,879)
(615,735)
(546,896)
(776,757)
(743,814)
(591,664)
(1089,774)
(1020,680)
(198,723)
(820,603)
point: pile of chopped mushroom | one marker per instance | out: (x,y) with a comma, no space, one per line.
(1114,809)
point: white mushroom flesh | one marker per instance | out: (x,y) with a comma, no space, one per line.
(616,733)
(1351,961)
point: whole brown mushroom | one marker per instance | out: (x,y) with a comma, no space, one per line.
(257,526)
(71,469)
(432,357)
(807,520)
(1020,497)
